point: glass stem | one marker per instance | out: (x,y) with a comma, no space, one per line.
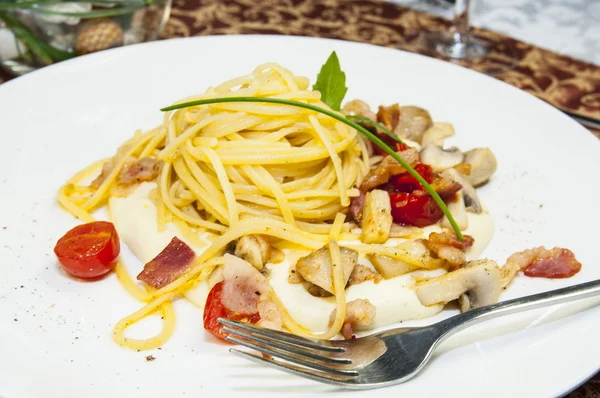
(460,24)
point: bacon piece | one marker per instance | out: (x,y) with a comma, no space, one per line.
(106,169)
(270,316)
(347,331)
(360,313)
(362,273)
(389,116)
(357,203)
(144,169)
(448,247)
(242,286)
(134,171)
(445,187)
(170,263)
(540,262)
(387,168)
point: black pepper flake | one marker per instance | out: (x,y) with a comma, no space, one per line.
(257,293)
(16,320)
(150,358)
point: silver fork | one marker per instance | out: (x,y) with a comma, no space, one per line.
(382,359)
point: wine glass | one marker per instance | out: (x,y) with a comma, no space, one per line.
(460,43)
(461,46)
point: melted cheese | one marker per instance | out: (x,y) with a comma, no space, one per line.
(136,222)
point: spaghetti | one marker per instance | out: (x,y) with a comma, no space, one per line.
(235,169)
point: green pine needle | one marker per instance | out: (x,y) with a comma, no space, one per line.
(346,121)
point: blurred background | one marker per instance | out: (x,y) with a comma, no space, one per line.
(570,27)
(35,33)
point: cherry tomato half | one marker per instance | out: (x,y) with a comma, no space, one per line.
(407,183)
(214,309)
(89,251)
(416,209)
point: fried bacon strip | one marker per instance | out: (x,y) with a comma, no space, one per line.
(144,169)
(445,187)
(357,203)
(360,313)
(387,168)
(168,265)
(243,286)
(540,262)
(448,247)
(134,171)
(389,116)
(362,273)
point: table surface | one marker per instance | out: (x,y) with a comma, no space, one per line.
(565,82)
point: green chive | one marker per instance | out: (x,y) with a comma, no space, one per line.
(377,125)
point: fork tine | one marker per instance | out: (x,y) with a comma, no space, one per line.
(276,343)
(292,369)
(298,361)
(282,336)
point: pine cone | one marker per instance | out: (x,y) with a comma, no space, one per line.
(98,34)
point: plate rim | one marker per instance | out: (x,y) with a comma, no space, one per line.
(99,55)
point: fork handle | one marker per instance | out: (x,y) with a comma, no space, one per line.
(552,297)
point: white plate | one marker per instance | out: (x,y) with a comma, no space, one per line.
(55,332)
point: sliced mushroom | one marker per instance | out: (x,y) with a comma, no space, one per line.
(483,165)
(359,107)
(390,267)
(316,267)
(408,256)
(377,217)
(458,209)
(405,231)
(255,249)
(469,195)
(463,168)
(413,123)
(479,281)
(441,159)
(294,276)
(437,133)
(316,291)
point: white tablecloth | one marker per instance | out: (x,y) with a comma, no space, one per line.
(570,27)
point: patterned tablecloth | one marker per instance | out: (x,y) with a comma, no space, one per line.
(562,81)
